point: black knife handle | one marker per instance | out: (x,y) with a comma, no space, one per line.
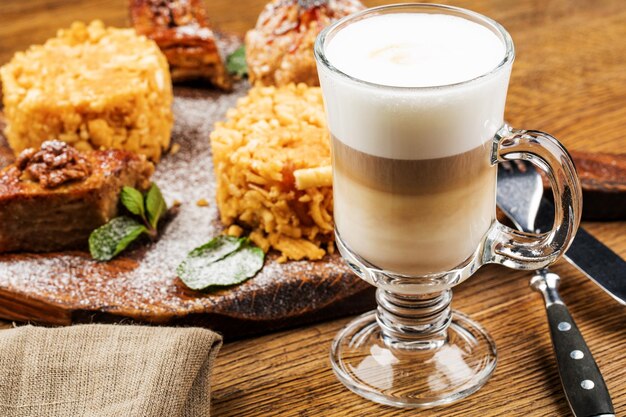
(582,381)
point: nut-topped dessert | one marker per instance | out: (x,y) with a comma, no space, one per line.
(181,30)
(93,87)
(279,50)
(53,197)
(53,165)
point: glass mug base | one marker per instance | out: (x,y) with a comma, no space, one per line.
(413,350)
(372,368)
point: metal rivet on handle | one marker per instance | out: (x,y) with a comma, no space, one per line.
(564,326)
(576,354)
(587,384)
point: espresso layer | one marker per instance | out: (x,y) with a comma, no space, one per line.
(412,177)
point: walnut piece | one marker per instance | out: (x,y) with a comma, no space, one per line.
(171,13)
(55,163)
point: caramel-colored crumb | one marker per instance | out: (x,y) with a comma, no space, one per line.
(234,230)
(174,149)
(202,203)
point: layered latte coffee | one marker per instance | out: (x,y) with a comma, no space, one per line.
(414,183)
(413,216)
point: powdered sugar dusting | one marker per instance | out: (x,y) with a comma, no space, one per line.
(142,282)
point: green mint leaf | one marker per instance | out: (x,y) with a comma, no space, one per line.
(208,253)
(236,62)
(155,205)
(217,248)
(132,199)
(212,265)
(109,240)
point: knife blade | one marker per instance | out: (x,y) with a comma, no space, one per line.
(590,256)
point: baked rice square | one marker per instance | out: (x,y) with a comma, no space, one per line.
(91,86)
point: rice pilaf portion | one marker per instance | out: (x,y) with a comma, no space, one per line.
(272,165)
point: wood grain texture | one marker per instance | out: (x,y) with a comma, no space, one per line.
(569,80)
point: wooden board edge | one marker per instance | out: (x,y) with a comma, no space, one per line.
(30,309)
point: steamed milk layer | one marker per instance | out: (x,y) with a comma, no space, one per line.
(413,184)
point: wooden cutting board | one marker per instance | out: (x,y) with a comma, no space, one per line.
(141,285)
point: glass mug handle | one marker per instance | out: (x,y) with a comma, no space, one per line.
(521,250)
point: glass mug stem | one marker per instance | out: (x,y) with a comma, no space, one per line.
(414,322)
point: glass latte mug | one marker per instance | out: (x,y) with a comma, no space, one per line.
(415,97)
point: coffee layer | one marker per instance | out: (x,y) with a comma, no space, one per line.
(422,176)
(413,217)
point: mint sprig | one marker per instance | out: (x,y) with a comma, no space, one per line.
(236,63)
(223,261)
(109,240)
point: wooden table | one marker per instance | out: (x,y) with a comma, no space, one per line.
(570,80)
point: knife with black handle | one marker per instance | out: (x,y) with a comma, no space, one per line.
(590,256)
(584,387)
(520,196)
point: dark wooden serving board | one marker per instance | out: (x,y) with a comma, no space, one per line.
(603,180)
(141,285)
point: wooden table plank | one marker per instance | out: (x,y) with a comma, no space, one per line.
(289,372)
(570,80)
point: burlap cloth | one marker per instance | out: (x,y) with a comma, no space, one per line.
(106,370)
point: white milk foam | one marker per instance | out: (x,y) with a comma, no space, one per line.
(414,50)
